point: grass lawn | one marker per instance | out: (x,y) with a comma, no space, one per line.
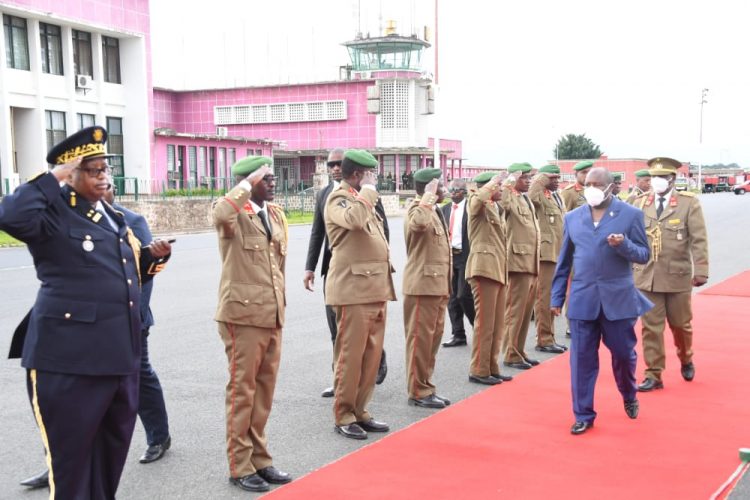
(8,241)
(299,218)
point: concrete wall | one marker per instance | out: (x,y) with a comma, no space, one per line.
(176,215)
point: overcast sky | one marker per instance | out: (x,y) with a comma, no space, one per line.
(514,76)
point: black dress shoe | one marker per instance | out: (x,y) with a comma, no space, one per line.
(551,349)
(504,378)
(532,362)
(485,380)
(455,342)
(273,475)
(581,427)
(155,452)
(427,402)
(650,384)
(328,393)
(521,365)
(561,346)
(351,431)
(631,408)
(39,481)
(373,425)
(251,482)
(688,371)
(445,401)
(382,370)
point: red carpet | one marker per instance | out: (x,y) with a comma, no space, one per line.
(513,440)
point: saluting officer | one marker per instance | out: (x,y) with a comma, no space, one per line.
(427,279)
(359,284)
(523,265)
(253,243)
(487,273)
(550,210)
(642,185)
(83,385)
(572,194)
(679,261)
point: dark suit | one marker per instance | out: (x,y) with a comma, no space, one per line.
(604,302)
(83,383)
(461,302)
(151,407)
(319,239)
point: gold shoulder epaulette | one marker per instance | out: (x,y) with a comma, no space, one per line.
(569,186)
(689,194)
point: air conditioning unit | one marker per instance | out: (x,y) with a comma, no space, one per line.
(222,131)
(84,82)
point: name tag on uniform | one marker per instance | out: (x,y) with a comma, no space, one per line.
(674,222)
(551,219)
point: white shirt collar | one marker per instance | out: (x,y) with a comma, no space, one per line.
(667,196)
(256,208)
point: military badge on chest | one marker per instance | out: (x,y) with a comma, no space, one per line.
(88,245)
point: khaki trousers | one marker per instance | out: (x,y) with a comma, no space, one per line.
(253,354)
(489,304)
(521,295)
(357,351)
(424,323)
(545,322)
(676,309)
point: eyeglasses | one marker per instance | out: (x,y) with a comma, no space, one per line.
(455,190)
(96,172)
(336,163)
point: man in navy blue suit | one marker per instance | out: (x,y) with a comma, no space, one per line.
(601,240)
(81,344)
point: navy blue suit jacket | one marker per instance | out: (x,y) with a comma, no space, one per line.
(603,278)
(86,317)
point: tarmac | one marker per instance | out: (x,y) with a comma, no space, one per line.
(188,355)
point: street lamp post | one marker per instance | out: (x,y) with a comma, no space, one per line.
(704,93)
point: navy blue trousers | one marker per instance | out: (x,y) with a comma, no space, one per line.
(619,337)
(151,408)
(86,424)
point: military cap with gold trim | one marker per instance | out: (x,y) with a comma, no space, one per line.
(359,158)
(484,177)
(425,175)
(663,166)
(88,143)
(583,165)
(250,164)
(550,170)
(642,173)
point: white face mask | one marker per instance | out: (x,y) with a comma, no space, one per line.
(659,184)
(594,196)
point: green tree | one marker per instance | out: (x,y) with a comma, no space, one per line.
(576,147)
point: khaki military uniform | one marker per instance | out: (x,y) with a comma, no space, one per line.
(550,210)
(427,284)
(679,251)
(487,275)
(250,316)
(523,269)
(634,195)
(358,285)
(572,196)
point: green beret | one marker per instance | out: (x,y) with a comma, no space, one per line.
(425,175)
(583,165)
(643,173)
(484,177)
(250,164)
(524,168)
(361,157)
(550,169)
(617,177)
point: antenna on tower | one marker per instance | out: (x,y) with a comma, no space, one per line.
(380,19)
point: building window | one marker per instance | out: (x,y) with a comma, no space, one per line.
(231,156)
(86,120)
(82,53)
(223,170)
(51,45)
(115,146)
(16,42)
(55,127)
(202,161)
(193,165)
(170,158)
(111,52)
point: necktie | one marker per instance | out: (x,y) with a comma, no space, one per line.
(660,208)
(557,200)
(453,218)
(264,220)
(528,202)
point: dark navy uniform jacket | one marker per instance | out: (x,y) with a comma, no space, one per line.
(86,317)
(138,224)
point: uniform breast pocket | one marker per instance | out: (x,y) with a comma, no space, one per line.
(553,217)
(676,232)
(255,246)
(87,246)
(524,213)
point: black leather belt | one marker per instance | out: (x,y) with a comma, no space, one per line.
(456,251)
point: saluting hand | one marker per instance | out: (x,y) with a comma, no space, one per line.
(368,178)
(432,186)
(258,175)
(160,248)
(62,172)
